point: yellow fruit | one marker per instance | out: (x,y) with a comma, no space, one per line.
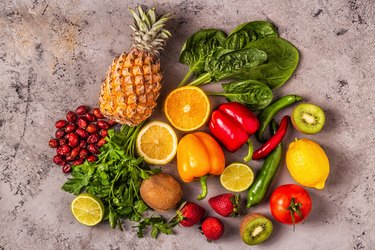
(187,108)
(87,209)
(237,177)
(157,143)
(307,163)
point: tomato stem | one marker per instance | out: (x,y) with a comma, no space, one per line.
(294,208)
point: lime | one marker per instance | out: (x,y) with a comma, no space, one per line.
(87,209)
(237,177)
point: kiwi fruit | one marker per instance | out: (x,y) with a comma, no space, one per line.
(255,228)
(308,118)
(161,191)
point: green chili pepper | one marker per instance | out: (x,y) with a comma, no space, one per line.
(265,176)
(267,115)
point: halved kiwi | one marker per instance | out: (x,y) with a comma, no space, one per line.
(308,118)
(255,228)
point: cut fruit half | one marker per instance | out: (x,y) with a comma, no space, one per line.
(187,108)
(237,177)
(87,209)
(255,228)
(157,143)
(308,118)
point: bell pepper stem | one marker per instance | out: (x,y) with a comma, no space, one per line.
(203,181)
(250,151)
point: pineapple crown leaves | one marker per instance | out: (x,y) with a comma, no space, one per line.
(149,33)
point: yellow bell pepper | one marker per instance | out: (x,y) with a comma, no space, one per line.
(199,154)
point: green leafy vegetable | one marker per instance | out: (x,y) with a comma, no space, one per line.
(116,178)
(197,48)
(254,94)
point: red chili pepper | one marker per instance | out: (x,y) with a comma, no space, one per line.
(232,124)
(272,143)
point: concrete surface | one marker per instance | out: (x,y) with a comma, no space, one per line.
(54,55)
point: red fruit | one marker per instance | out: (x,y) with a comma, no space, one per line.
(70,158)
(77,162)
(111,123)
(82,144)
(101,142)
(64,149)
(82,133)
(103,124)
(75,152)
(81,110)
(93,149)
(53,143)
(97,113)
(71,116)
(212,228)
(58,159)
(63,141)
(188,214)
(66,168)
(61,123)
(92,158)
(73,140)
(226,204)
(59,133)
(90,117)
(92,128)
(82,122)
(70,128)
(84,153)
(103,133)
(94,138)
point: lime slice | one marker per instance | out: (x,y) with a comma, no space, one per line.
(237,177)
(87,209)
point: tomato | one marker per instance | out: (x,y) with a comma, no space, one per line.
(290,204)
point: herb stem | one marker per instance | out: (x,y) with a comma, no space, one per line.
(186,77)
(202,79)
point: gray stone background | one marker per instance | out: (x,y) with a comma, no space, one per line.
(54,55)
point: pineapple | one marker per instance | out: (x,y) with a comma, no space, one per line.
(132,85)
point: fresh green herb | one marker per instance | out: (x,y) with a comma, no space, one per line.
(254,94)
(116,178)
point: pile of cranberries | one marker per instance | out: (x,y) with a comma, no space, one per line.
(79,137)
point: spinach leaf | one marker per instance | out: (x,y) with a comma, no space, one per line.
(249,32)
(197,48)
(254,94)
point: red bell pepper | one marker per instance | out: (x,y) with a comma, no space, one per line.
(232,124)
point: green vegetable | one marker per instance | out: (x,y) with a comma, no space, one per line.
(197,48)
(249,32)
(116,178)
(223,64)
(267,115)
(265,175)
(254,94)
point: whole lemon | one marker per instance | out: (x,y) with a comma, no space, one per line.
(307,163)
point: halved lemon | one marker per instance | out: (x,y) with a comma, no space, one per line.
(237,177)
(187,108)
(157,143)
(87,209)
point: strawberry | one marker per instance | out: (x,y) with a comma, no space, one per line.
(188,214)
(212,228)
(226,204)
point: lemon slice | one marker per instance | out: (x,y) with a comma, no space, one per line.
(87,209)
(237,177)
(187,108)
(157,143)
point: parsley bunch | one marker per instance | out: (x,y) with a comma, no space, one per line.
(116,179)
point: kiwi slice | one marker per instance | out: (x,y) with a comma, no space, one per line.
(255,228)
(308,118)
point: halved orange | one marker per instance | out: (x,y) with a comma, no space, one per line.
(187,108)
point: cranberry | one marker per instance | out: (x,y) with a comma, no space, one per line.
(92,128)
(82,122)
(70,158)
(92,158)
(63,141)
(77,162)
(58,159)
(103,133)
(81,110)
(73,140)
(82,144)
(82,133)
(103,124)
(90,117)
(70,128)
(84,153)
(65,149)
(61,123)
(71,116)
(97,113)
(93,148)
(101,142)
(67,168)
(59,133)
(75,152)
(53,143)
(93,138)
(111,123)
